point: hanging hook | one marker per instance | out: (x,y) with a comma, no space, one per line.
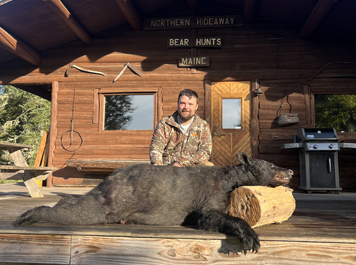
(217,133)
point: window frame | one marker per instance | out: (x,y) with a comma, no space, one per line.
(322,88)
(221,112)
(101,98)
(326,93)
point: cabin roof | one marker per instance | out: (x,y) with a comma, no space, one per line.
(28,27)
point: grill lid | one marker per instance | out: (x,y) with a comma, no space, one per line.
(313,134)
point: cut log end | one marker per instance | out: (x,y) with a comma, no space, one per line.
(259,205)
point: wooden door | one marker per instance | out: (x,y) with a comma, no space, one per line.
(230,121)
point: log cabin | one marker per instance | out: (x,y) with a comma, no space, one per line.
(266,57)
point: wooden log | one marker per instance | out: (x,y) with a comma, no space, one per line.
(102,164)
(61,10)
(259,205)
(131,13)
(19,48)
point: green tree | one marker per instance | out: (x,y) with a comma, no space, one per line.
(23,118)
(117,112)
(336,111)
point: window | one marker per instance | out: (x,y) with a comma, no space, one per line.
(231,113)
(129,111)
(336,111)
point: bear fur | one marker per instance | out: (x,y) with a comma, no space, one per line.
(166,195)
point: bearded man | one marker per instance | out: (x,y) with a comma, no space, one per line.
(182,139)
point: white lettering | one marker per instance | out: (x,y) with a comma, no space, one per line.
(186,22)
(182,42)
(207,42)
(188,61)
(178,42)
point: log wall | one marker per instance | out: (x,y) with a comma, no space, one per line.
(282,63)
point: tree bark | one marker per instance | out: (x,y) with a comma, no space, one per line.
(260,205)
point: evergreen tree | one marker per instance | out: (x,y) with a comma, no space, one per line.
(336,111)
(117,112)
(23,118)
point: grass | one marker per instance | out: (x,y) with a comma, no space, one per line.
(9,181)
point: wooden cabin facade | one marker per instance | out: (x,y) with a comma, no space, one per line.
(269,56)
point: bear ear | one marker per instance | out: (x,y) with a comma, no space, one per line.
(243,158)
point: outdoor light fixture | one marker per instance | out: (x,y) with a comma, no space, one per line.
(258,89)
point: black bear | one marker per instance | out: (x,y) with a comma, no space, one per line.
(166,195)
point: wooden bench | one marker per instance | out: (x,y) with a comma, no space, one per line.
(14,172)
(21,170)
(102,165)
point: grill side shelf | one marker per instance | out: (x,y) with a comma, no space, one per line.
(292,145)
(347,145)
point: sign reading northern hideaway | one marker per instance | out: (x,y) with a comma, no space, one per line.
(202,61)
(192,22)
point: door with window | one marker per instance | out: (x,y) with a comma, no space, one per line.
(230,121)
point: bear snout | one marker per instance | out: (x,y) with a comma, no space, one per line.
(283,177)
(290,172)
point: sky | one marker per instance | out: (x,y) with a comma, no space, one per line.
(231,113)
(143,114)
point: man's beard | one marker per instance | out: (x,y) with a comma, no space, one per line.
(184,119)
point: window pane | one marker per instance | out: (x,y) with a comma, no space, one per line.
(231,113)
(336,111)
(129,112)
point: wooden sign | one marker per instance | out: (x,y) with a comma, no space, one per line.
(199,42)
(192,22)
(201,61)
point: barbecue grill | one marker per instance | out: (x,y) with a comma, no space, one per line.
(318,158)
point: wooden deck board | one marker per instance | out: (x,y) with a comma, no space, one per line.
(322,230)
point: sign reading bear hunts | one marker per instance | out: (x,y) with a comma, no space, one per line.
(202,61)
(201,42)
(192,22)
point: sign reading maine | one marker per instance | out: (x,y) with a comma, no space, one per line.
(202,61)
(192,22)
(201,42)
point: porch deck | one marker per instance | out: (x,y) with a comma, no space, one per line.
(322,230)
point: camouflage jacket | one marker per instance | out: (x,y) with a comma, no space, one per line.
(170,145)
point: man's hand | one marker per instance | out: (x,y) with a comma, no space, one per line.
(175,164)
